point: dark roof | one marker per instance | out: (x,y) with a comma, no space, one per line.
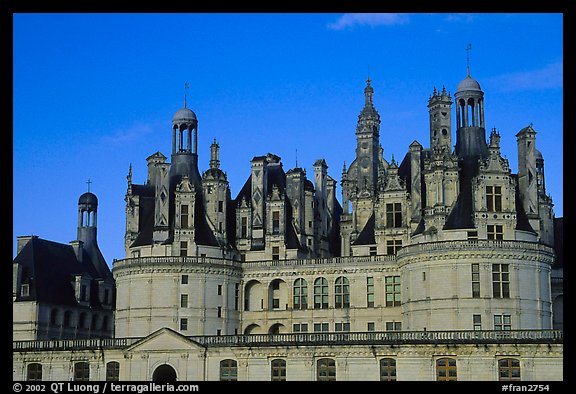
(461,215)
(522,222)
(49,268)
(366,237)
(559,242)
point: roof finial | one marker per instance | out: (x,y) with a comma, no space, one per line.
(468,49)
(89,182)
(296,157)
(186,87)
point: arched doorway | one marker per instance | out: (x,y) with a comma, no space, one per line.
(164,373)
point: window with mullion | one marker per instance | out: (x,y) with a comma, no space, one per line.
(300,294)
(342,293)
(321,293)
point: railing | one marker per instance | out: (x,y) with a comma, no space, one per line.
(326,261)
(315,339)
(174,260)
(189,260)
(474,244)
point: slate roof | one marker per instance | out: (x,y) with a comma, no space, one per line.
(49,268)
(366,236)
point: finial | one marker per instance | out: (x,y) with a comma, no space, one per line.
(186,87)
(468,49)
(443,90)
(89,182)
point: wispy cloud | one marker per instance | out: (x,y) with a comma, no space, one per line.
(129,134)
(368,19)
(460,17)
(548,77)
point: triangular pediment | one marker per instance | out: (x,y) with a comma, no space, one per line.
(164,339)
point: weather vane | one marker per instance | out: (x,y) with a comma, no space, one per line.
(186,87)
(468,49)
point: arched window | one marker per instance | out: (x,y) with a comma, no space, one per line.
(164,373)
(94,325)
(278,370)
(300,294)
(113,371)
(387,369)
(67,319)
(446,369)
(228,370)
(509,369)
(342,293)
(321,293)
(34,372)
(326,369)
(54,317)
(82,372)
(82,320)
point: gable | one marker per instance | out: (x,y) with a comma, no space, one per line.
(163,340)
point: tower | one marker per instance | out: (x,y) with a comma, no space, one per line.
(368,143)
(440,108)
(87,221)
(216,193)
(470,129)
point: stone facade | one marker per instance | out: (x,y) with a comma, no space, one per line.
(426,259)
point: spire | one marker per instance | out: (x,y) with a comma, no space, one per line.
(368,92)
(468,49)
(214,155)
(186,87)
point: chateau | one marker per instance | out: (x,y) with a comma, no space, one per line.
(444,265)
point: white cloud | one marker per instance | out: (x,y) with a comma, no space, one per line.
(368,19)
(548,77)
(129,134)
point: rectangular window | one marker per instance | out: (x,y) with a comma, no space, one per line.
(321,327)
(502,323)
(300,327)
(183,300)
(184,216)
(184,280)
(392,287)
(472,235)
(371,326)
(244,229)
(373,250)
(494,198)
(183,324)
(475,280)
(477,322)
(275,303)
(219,290)
(501,280)
(218,332)
(275,222)
(370,291)
(495,232)
(220,206)
(393,326)
(236,295)
(393,246)
(275,253)
(342,327)
(183,248)
(394,215)
(219,311)
(278,370)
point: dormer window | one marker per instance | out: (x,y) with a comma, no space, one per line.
(25,290)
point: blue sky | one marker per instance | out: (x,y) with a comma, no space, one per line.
(94,93)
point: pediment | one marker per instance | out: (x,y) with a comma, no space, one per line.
(164,339)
